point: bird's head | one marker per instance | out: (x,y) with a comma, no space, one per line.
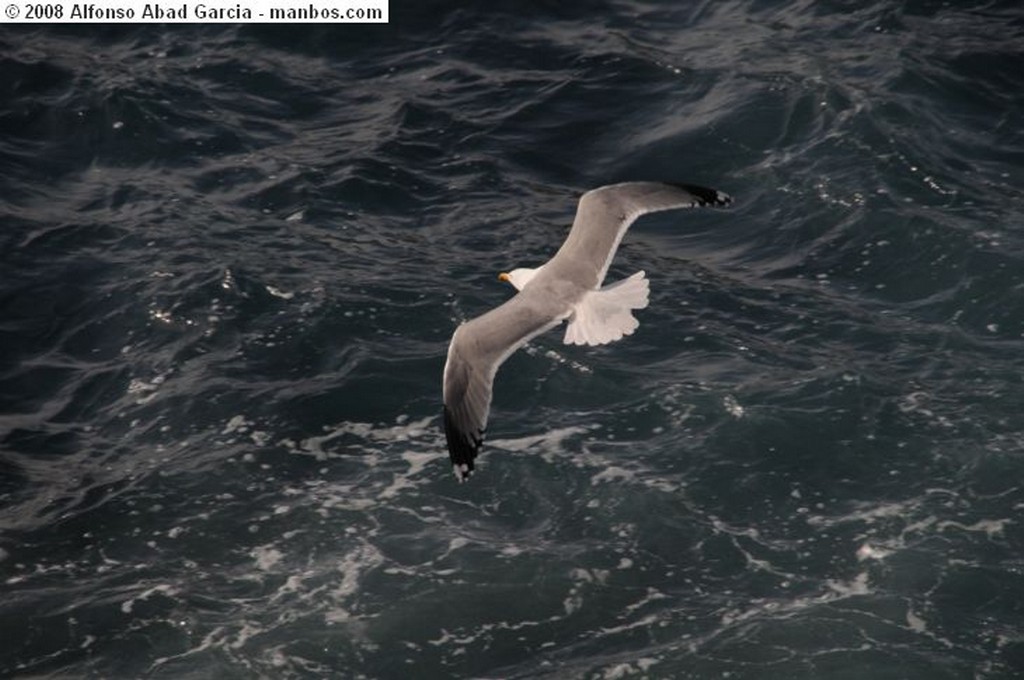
(518,277)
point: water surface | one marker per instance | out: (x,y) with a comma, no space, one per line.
(232,258)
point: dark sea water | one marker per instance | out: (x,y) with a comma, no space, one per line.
(231,259)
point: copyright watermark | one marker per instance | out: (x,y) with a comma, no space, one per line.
(208,11)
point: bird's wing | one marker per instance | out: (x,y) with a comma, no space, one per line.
(477,349)
(603,216)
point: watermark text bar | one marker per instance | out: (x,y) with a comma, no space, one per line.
(195,12)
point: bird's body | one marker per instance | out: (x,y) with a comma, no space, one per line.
(567,287)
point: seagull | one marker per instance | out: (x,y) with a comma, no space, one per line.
(565,288)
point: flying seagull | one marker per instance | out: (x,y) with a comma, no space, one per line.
(568,286)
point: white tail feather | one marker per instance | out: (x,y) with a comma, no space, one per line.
(604,315)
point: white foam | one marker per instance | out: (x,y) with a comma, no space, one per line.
(129,604)
(915,622)
(266,557)
(732,407)
(991,527)
(626,669)
(551,440)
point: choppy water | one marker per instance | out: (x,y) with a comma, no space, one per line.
(231,259)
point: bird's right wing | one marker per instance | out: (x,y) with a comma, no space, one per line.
(603,216)
(477,349)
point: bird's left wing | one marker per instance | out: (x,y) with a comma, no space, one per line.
(477,349)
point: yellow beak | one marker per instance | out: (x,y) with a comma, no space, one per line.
(504,277)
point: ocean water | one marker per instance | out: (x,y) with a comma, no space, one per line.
(232,257)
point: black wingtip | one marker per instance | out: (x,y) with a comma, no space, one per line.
(705,197)
(462,447)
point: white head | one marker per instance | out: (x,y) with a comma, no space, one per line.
(518,277)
